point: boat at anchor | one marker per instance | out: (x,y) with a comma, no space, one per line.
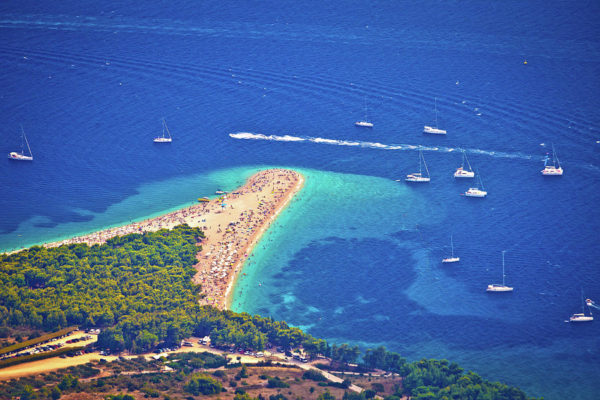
(418,176)
(13,155)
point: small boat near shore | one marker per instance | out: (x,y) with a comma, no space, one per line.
(163,138)
(553,169)
(496,287)
(461,172)
(21,156)
(203,200)
(418,177)
(434,129)
(451,259)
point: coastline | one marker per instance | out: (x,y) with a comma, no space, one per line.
(251,210)
(232,223)
(250,247)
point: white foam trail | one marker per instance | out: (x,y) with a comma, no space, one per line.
(260,136)
(372,145)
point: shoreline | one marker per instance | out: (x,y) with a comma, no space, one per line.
(250,247)
(232,224)
(224,251)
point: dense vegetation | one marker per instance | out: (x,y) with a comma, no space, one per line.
(128,277)
(139,289)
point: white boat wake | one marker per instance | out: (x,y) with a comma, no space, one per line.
(373,145)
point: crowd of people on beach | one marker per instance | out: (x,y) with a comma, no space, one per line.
(221,261)
(232,223)
(191,216)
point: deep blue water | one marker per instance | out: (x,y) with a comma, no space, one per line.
(356,256)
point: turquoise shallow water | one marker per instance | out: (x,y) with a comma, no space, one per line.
(329,207)
(358,257)
(354,259)
(149,200)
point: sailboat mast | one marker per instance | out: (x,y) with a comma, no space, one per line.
(424,163)
(466,158)
(436,123)
(23,136)
(503,251)
(452,246)
(555,157)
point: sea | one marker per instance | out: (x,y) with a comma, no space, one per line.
(356,257)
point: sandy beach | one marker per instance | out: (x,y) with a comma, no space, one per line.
(232,224)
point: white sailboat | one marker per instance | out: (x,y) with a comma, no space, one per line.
(21,156)
(418,176)
(434,129)
(451,259)
(461,172)
(364,123)
(163,138)
(555,168)
(582,317)
(496,287)
(476,192)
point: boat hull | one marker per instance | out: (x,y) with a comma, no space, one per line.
(461,173)
(475,193)
(363,124)
(552,171)
(19,157)
(450,260)
(162,140)
(581,318)
(498,289)
(417,179)
(432,130)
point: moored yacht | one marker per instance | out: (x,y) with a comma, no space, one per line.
(476,192)
(13,155)
(554,168)
(581,317)
(163,138)
(418,176)
(451,259)
(434,129)
(496,287)
(364,123)
(461,172)
(431,129)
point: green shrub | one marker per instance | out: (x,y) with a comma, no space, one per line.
(314,376)
(202,384)
(276,382)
